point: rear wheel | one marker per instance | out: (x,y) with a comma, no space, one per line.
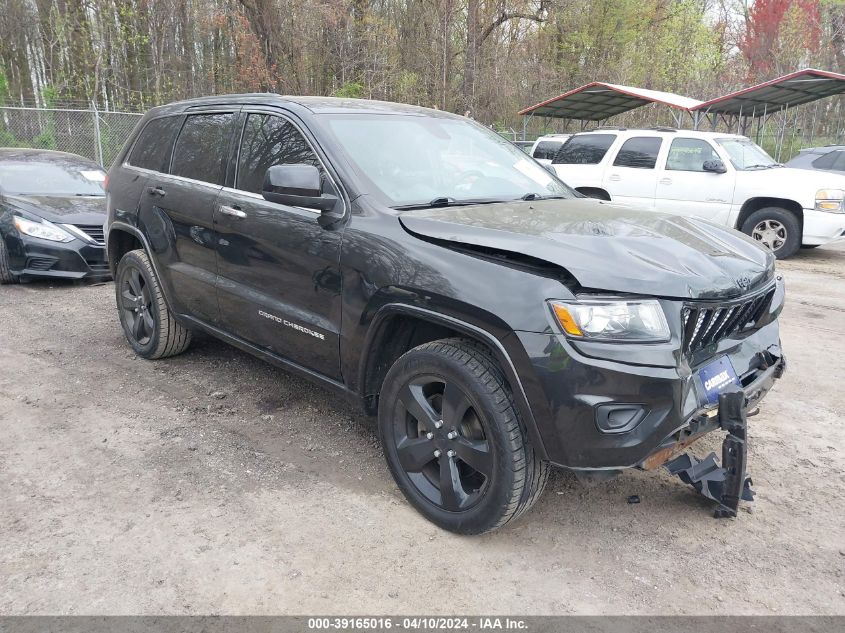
(454,440)
(775,228)
(148,324)
(6,275)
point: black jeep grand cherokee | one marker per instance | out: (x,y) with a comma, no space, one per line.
(494,320)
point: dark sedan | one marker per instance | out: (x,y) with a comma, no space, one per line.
(52,211)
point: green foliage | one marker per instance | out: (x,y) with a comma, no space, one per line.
(350,90)
(4,88)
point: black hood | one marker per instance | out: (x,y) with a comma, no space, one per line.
(609,247)
(62,209)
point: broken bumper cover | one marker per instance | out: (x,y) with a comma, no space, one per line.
(730,483)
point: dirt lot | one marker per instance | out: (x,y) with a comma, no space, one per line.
(213,483)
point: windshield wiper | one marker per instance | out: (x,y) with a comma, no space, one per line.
(760,166)
(537,196)
(443,201)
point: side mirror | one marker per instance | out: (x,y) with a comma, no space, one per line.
(550,168)
(296,186)
(714,166)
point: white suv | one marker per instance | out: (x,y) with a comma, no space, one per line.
(724,178)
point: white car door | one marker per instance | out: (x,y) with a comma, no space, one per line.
(631,177)
(685,188)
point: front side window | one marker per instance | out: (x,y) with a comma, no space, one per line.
(689,154)
(270,140)
(415,160)
(153,147)
(639,151)
(747,155)
(202,149)
(587,149)
(546,150)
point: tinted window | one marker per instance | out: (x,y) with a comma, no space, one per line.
(689,154)
(152,150)
(839,165)
(827,161)
(547,149)
(640,152)
(202,148)
(588,149)
(270,140)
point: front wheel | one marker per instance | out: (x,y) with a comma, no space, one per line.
(777,229)
(454,440)
(148,324)
(6,275)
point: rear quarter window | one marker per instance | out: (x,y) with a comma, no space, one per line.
(546,150)
(827,161)
(588,149)
(154,144)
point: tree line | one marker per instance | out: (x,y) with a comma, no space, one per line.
(486,57)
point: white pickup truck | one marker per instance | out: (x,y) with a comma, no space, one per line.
(724,178)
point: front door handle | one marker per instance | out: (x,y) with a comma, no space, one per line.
(232,211)
(665,181)
(615,177)
(156,191)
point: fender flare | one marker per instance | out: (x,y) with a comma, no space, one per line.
(500,355)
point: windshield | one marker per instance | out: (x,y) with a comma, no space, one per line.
(417,160)
(745,154)
(51,179)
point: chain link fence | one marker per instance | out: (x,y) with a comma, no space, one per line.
(90,133)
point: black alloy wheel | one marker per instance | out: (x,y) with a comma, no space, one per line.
(136,304)
(441,443)
(454,439)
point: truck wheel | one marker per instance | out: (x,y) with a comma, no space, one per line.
(454,440)
(148,324)
(775,228)
(6,275)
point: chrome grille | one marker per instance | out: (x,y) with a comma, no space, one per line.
(94,231)
(706,324)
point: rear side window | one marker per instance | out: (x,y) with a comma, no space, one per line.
(152,149)
(546,150)
(827,161)
(202,149)
(639,152)
(689,154)
(270,140)
(588,149)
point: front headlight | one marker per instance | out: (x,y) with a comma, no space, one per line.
(830,200)
(44,230)
(612,320)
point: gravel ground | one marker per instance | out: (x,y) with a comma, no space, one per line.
(214,483)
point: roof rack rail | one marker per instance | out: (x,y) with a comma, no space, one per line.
(607,127)
(661,128)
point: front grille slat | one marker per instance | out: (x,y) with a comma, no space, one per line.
(94,231)
(707,324)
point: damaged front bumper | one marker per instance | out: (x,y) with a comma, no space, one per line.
(730,483)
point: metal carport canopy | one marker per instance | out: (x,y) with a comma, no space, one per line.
(794,89)
(598,101)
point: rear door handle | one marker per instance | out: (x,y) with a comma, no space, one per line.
(232,211)
(614,177)
(665,181)
(156,191)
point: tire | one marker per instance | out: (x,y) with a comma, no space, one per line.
(480,425)
(148,324)
(6,275)
(776,228)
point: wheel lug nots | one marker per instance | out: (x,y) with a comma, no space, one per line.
(450,453)
(437,452)
(429,436)
(438,424)
(452,435)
